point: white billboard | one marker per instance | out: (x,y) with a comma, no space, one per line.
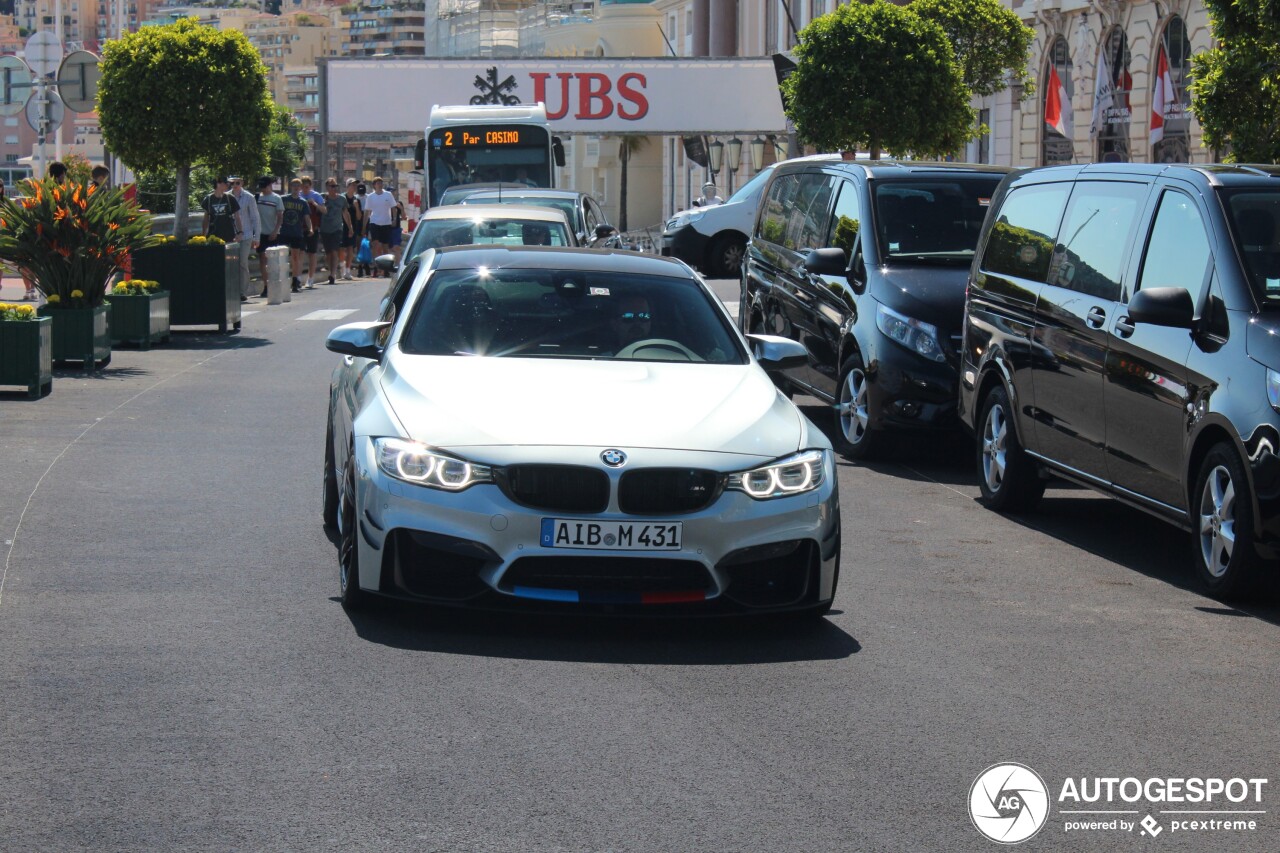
(583,95)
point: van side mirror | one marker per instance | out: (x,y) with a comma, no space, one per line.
(605,231)
(359,340)
(826,261)
(1163,306)
(557,151)
(857,272)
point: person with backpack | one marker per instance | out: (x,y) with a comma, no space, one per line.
(295,225)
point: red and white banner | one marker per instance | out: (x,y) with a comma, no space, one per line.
(1163,99)
(582,95)
(1057,105)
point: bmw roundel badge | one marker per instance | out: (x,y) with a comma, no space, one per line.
(614,458)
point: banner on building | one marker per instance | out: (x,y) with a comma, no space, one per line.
(582,95)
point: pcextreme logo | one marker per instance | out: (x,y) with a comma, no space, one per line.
(1009,803)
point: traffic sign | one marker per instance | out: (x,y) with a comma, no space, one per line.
(15,85)
(78,81)
(43,52)
(57,112)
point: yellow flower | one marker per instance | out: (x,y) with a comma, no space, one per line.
(54,299)
(25,311)
(77,294)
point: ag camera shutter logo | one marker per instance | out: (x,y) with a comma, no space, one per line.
(1008,803)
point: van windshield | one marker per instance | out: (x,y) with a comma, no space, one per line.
(1254,215)
(932,221)
(751,187)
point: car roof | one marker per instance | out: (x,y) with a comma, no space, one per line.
(1213,174)
(503,211)
(553,257)
(528,191)
(890,169)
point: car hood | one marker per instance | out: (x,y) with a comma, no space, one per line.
(1262,339)
(930,293)
(457,401)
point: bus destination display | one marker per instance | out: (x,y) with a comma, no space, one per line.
(482,136)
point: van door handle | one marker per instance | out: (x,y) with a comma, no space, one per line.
(1095,318)
(1124,326)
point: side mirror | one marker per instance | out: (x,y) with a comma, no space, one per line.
(386,263)
(777,353)
(1163,306)
(557,151)
(359,340)
(826,261)
(603,231)
(857,273)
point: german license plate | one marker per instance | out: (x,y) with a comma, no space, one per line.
(612,535)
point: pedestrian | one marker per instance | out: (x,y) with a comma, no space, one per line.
(270,206)
(100,177)
(58,171)
(249,226)
(377,216)
(315,201)
(351,241)
(709,196)
(334,225)
(397,232)
(220,209)
(295,225)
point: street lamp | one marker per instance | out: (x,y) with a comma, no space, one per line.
(757,153)
(715,156)
(780,146)
(734,150)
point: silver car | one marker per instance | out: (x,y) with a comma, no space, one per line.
(573,428)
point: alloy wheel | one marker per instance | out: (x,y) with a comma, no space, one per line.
(853,406)
(346,534)
(1218,521)
(995,433)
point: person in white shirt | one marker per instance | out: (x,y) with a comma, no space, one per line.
(377,215)
(709,196)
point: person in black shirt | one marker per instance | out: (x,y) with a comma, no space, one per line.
(220,209)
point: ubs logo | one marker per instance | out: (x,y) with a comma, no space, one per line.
(613,458)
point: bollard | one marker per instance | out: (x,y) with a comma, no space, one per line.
(276,275)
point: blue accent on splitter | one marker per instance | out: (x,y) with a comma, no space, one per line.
(546,594)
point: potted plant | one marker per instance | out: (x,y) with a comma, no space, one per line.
(139,313)
(72,238)
(26,349)
(203,284)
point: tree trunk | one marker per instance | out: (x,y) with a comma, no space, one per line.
(625,157)
(180,203)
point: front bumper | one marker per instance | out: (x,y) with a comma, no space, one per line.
(480,548)
(686,244)
(908,392)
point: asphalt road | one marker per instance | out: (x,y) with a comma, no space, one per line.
(176,674)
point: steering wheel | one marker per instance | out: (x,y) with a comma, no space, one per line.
(658,349)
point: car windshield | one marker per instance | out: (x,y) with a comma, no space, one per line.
(565,205)
(751,187)
(932,221)
(438,233)
(1254,215)
(548,313)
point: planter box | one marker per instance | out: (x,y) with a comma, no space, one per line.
(141,320)
(26,354)
(81,334)
(203,282)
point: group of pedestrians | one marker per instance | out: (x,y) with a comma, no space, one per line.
(307,222)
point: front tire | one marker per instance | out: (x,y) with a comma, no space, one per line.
(330,489)
(1226,562)
(1009,478)
(724,258)
(349,592)
(855,437)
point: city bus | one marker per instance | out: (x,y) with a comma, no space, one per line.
(488,144)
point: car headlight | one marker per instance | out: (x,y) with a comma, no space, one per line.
(916,335)
(414,462)
(1273,388)
(794,475)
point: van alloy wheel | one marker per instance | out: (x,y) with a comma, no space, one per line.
(995,432)
(1218,521)
(853,406)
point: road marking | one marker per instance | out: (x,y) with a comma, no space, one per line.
(247,313)
(328,314)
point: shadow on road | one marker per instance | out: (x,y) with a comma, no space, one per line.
(590,638)
(183,339)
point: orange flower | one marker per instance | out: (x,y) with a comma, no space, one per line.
(59,215)
(57,194)
(111,227)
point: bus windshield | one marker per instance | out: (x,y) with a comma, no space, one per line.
(518,154)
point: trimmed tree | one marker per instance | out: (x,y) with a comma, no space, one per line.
(180,94)
(879,77)
(990,41)
(1235,86)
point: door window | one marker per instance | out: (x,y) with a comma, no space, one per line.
(814,199)
(1022,237)
(846,221)
(1178,253)
(1095,238)
(592,220)
(777,205)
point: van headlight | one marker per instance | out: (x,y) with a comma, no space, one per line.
(794,475)
(916,335)
(414,462)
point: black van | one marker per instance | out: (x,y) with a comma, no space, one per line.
(1123,331)
(878,308)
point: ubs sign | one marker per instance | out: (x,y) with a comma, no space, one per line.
(581,95)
